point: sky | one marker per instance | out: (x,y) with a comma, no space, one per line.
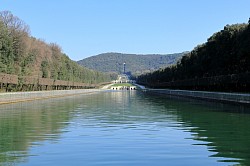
(84,28)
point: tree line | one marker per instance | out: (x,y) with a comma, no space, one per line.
(24,55)
(226,53)
(10,82)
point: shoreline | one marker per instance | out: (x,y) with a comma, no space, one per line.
(231,98)
(16,97)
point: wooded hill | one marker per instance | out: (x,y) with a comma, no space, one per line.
(24,55)
(222,63)
(135,64)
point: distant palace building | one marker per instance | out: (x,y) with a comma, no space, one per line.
(123,78)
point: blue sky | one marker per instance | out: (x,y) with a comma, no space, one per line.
(89,27)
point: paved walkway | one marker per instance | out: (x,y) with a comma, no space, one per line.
(15,97)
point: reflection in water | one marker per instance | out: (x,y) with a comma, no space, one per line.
(223,128)
(226,134)
(121,128)
(26,124)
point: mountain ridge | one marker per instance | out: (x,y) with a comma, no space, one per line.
(136,64)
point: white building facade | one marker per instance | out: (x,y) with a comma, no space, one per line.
(123,78)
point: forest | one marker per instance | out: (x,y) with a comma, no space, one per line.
(24,55)
(136,64)
(220,64)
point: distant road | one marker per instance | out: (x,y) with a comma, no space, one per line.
(107,86)
(142,87)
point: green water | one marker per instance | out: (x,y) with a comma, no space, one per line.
(124,128)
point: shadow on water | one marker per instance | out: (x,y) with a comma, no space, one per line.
(223,128)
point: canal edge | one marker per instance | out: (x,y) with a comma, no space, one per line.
(49,96)
(230,98)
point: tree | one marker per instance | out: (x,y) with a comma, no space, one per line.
(44,69)
(19,31)
(13,23)
(24,55)
(225,53)
(6,50)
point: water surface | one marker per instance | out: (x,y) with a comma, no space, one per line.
(124,128)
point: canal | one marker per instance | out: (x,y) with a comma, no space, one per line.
(123,128)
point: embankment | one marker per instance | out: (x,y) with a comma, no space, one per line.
(238,98)
(15,97)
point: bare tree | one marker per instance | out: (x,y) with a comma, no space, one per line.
(14,23)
